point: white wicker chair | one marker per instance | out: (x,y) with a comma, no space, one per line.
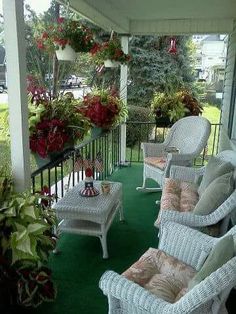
(223,213)
(187,245)
(189,135)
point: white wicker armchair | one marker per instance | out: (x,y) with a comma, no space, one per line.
(189,135)
(223,213)
(187,245)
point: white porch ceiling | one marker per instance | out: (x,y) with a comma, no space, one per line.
(159,16)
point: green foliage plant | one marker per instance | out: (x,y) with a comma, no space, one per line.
(134,131)
(175,106)
(26,240)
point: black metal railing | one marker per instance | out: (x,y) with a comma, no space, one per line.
(102,153)
(138,132)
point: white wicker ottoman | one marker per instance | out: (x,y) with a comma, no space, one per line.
(90,215)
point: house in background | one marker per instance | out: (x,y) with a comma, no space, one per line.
(211,51)
(3,84)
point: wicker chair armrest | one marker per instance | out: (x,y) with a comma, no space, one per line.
(153,149)
(210,289)
(117,286)
(188,245)
(186,173)
(180,157)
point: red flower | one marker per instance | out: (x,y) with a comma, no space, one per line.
(96,47)
(60,20)
(40,44)
(88,172)
(45,35)
(42,147)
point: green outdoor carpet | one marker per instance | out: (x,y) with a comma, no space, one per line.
(79,266)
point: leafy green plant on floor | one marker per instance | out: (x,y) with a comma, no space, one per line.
(26,240)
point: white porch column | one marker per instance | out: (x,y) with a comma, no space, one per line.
(123,95)
(16,79)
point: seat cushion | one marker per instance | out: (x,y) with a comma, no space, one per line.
(215,194)
(159,162)
(220,254)
(215,167)
(179,195)
(161,274)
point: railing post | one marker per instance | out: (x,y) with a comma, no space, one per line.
(123,95)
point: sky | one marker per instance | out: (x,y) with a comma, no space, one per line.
(37,5)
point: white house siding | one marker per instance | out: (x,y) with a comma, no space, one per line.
(225,142)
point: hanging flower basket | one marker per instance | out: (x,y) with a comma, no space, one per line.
(70,35)
(66,54)
(111,64)
(110,53)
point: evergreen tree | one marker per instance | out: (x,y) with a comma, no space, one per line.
(153,68)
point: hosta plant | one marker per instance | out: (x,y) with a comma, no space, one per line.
(26,240)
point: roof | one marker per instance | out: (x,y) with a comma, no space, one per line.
(141,17)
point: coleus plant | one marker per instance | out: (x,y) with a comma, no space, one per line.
(53,123)
(103,108)
(26,240)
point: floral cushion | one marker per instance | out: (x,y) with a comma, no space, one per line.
(159,162)
(161,274)
(179,195)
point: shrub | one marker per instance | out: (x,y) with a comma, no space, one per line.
(136,133)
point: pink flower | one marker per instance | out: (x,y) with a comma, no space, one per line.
(60,20)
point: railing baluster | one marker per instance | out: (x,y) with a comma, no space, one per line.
(55,174)
(160,135)
(214,137)
(62,180)
(41,180)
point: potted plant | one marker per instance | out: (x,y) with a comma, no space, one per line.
(66,37)
(54,124)
(110,53)
(26,241)
(168,108)
(103,108)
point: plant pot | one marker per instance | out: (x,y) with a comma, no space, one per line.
(111,64)
(41,162)
(96,132)
(163,122)
(66,54)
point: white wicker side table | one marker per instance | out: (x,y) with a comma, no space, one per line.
(90,215)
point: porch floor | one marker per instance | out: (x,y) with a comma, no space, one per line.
(79,266)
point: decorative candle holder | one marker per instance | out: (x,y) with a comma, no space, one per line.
(89,190)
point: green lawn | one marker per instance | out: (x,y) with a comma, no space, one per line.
(212,113)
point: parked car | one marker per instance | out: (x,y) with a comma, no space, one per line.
(3,86)
(72,81)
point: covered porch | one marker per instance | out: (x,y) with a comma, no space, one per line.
(79,266)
